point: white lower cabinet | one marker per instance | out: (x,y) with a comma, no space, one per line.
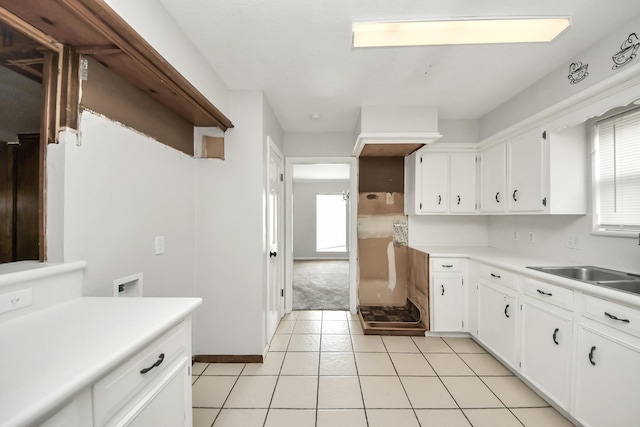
(547,340)
(607,378)
(447,304)
(498,320)
(166,404)
(75,413)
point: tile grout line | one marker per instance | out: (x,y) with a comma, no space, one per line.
(355,363)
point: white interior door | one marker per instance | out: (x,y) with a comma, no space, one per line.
(275,230)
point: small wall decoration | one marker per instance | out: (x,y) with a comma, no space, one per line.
(627,51)
(577,72)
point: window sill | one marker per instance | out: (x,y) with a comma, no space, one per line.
(615,233)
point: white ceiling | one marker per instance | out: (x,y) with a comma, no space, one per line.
(299,53)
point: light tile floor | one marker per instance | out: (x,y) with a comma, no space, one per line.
(322,371)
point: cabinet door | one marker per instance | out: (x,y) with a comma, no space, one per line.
(435,173)
(447,304)
(167,404)
(498,321)
(462,178)
(546,350)
(493,179)
(608,382)
(525,171)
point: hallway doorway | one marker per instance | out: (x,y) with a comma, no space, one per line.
(320,226)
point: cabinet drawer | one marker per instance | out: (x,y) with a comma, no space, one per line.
(618,316)
(447,264)
(121,385)
(547,292)
(499,276)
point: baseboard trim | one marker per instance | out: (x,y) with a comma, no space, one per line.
(229,358)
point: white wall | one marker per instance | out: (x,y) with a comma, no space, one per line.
(108,199)
(304,217)
(550,241)
(321,144)
(230,247)
(152,21)
(458,131)
(448,230)
(555,87)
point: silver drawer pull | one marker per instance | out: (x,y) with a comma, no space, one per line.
(155,365)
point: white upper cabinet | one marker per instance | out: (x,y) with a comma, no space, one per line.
(434,194)
(525,166)
(536,172)
(462,178)
(493,179)
(440,183)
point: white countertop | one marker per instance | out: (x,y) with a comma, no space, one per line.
(518,263)
(48,356)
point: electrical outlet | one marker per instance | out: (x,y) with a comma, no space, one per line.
(516,235)
(532,237)
(159,245)
(570,241)
(577,241)
(574,241)
(15,300)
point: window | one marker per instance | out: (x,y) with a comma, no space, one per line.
(617,172)
(331,223)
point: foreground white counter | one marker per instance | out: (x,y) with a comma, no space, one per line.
(50,355)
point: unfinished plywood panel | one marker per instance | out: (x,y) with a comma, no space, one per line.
(418,282)
(382,254)
(106,93)
(381,174)
(389,150)
(213,147)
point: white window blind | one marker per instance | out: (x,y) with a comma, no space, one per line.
(618,172)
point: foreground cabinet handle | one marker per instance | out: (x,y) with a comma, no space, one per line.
(555,336)
(611,316)
(544,293)
(591,355)
(155,365)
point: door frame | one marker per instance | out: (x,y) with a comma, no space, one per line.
(353,225)
(270,328)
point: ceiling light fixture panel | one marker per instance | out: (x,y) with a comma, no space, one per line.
(458,31)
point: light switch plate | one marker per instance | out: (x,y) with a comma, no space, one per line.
(15,300)
(159,245)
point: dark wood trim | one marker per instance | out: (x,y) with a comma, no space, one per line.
(29,30)
(225,358)
(108,23)
(92,27)
(68,106)
(222,358)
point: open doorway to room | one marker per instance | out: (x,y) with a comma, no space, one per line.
(320,234)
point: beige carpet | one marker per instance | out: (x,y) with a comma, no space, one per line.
(321,285)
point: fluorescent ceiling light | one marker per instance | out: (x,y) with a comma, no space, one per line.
(464,31)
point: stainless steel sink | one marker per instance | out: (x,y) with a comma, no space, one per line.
(597,276)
